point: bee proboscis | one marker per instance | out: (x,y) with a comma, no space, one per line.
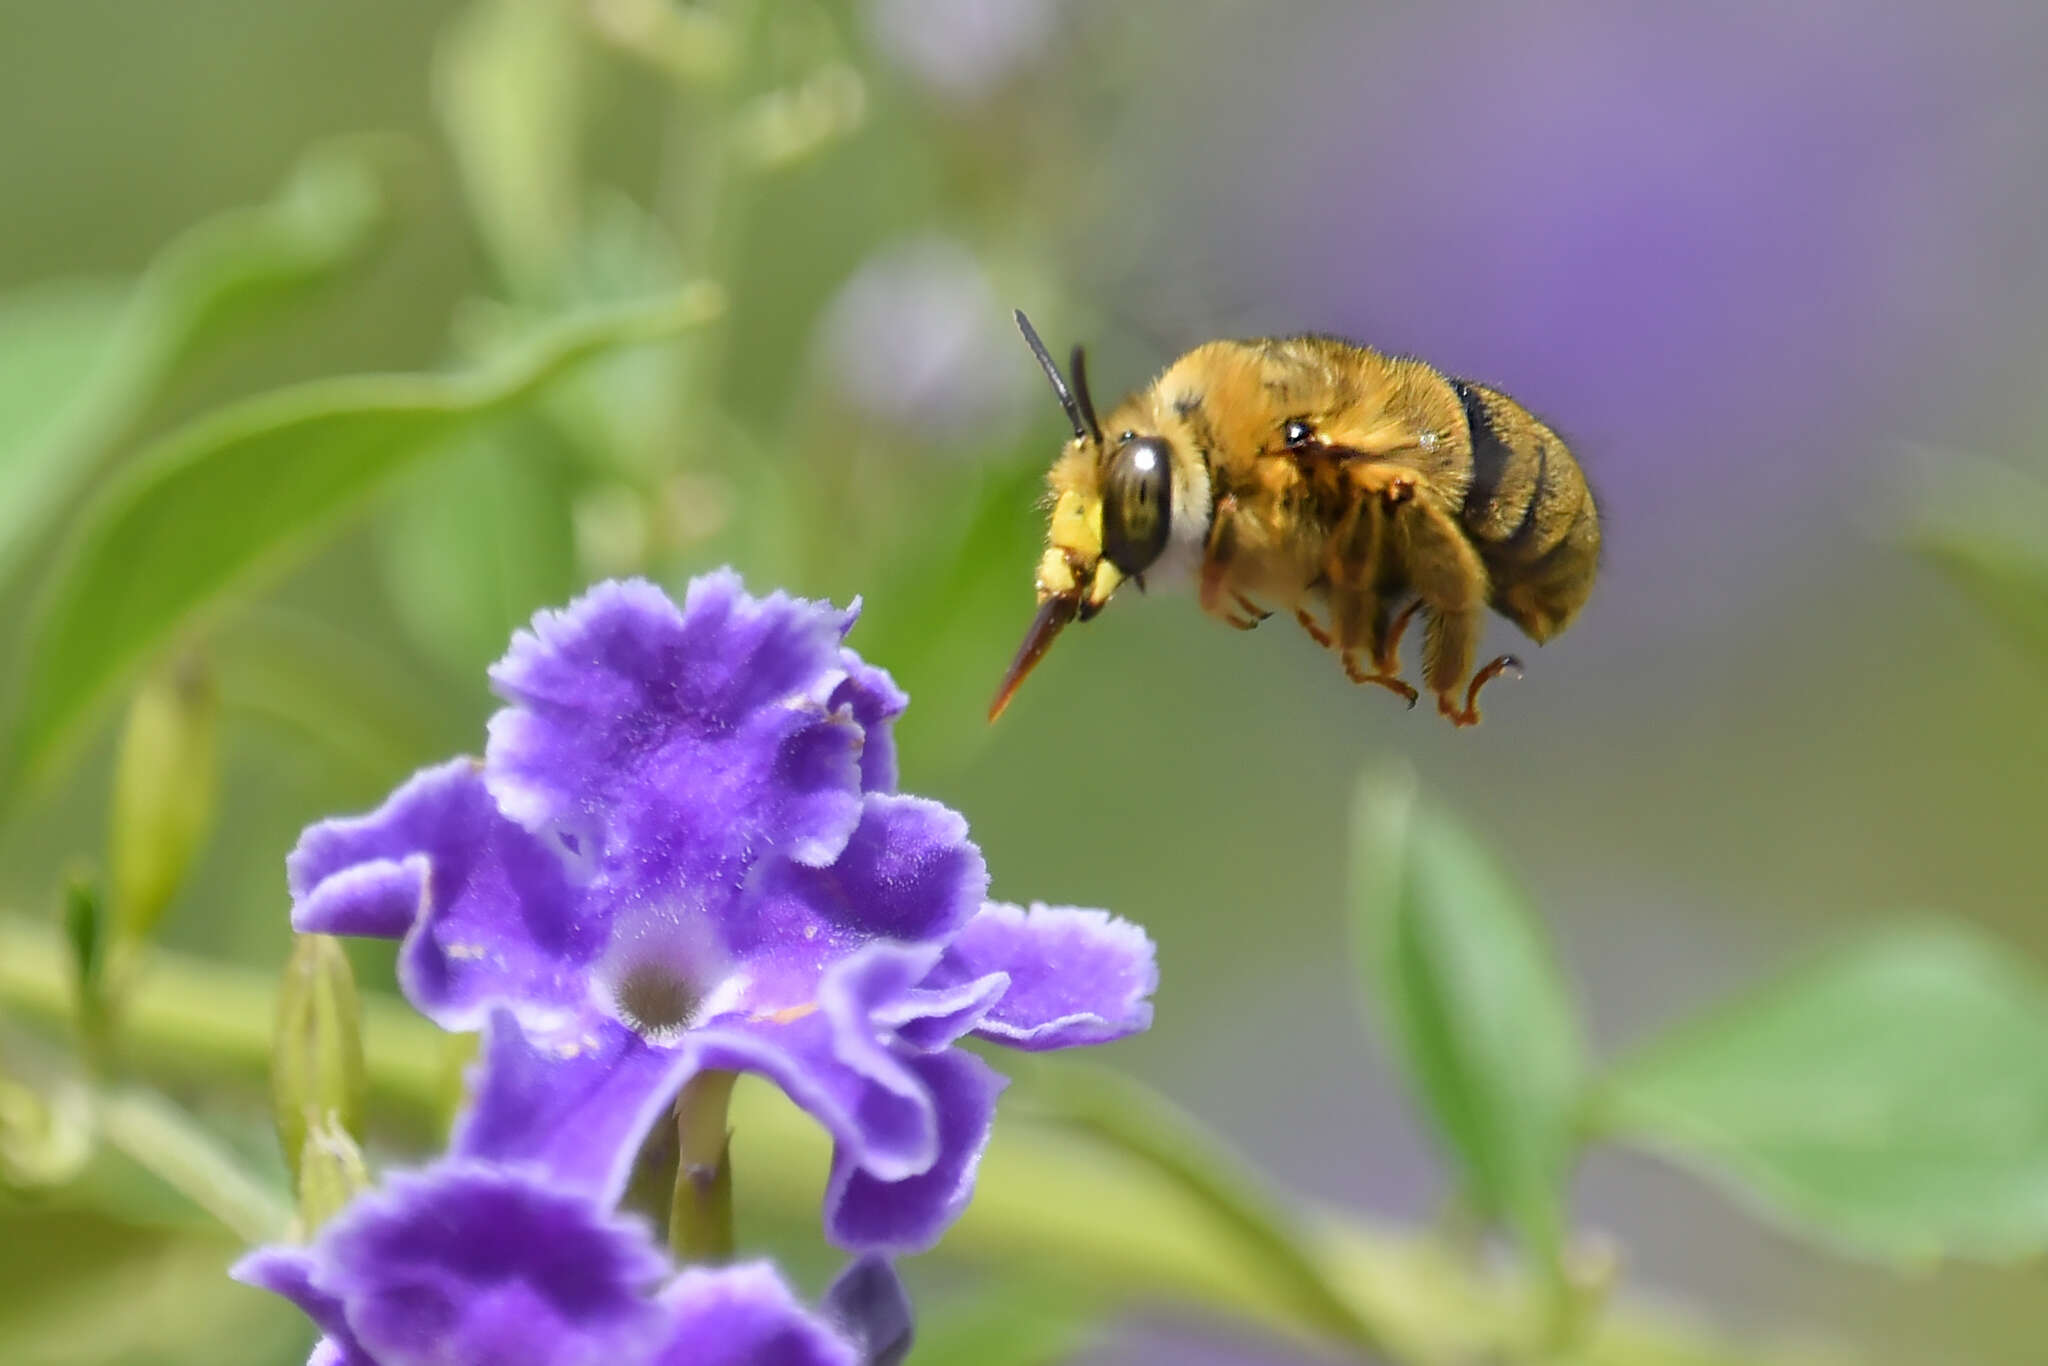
(1315,475)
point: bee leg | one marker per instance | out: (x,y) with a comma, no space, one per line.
(1450,580)
(1447,649)
(1216,557)
(1356,614)
(1218,601)
(1391,682)
(1386,653)
(1315,632)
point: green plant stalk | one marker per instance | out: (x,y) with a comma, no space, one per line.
(191,1018)
(1170,1223)
(709,203)
(700,1214)
(163,1140)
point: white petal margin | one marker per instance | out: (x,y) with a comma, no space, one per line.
(1077,976)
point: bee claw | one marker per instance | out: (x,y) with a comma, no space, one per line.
(1388,681)
(1251,609)
(1469,715)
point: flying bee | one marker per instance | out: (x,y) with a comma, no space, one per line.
(1310,474)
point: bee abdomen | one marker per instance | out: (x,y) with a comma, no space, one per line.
(1529,512)
(1526,490)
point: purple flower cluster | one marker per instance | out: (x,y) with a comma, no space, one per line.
(683,851)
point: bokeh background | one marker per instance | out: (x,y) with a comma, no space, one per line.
(1776,270)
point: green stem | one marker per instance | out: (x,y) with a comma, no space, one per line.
(1125,1115)
(163,1140)
(709,197)
(187,1017)
(700,1215)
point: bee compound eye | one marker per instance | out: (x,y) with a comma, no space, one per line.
(1297,432)
(1137,503)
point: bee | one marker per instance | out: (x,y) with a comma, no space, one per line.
(1311,474)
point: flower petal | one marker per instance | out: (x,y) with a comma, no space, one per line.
(677,743)
(876,701)
(289,1271)
(866,1301)
(908,873)
(472,1264)
(867,1211)
(836,1059)
(929,1018)
(488,913)
(577,1106)
(746,1316)
(364,875)
(579,1103)
(1076,976)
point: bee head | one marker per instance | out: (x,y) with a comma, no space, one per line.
(1112,514)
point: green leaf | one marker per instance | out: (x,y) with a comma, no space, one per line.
(1017,1324)
(476,543)
(217,281)
(253,487)
(242,267)
(1981,526)
(329,693)
(1891,1099)
(1473,1006)
(626,414)
(954,607)
(52,334)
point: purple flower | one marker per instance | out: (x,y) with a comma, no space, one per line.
(917,340)
(466,1263)
(962,51)
(682,852)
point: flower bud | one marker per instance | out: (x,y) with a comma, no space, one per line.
(317,1078)
(85,928)
(331,1172)
(163,792)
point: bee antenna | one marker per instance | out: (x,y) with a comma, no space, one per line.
(1078,368)
(1052,372)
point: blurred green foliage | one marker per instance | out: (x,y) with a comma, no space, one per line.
(331,447)
(1473,1005)
(1890,1098)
